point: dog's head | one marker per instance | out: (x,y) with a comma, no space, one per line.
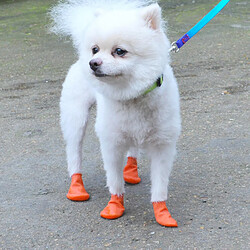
(123,50)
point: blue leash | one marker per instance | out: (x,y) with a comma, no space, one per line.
(206,19)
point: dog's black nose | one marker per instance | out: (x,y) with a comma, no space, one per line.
(95,64)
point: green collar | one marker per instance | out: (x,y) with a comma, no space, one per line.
(156,84)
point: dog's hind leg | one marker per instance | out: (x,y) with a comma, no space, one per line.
(130,171)
(76,100)
(162,160)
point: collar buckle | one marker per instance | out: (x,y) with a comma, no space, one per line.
(156,84)
(159,81)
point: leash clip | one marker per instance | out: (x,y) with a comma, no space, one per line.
(174,48)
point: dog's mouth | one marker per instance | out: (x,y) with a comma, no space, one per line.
(99,74)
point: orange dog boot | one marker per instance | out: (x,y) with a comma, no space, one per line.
(130,172)
(162,215)
(77,191)
(114,209)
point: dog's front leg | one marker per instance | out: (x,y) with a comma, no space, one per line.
(161,165)
(113,163)
(76,99)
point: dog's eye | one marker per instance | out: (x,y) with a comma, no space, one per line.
(120,52)
(95,50)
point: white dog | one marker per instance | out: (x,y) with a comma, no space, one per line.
(123,60)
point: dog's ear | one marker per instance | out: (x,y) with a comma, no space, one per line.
(152,15)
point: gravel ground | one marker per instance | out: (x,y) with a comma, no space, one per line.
(209,187)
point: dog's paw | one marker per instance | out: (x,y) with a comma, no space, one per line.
(130,172)
(77,191)
(162,215)
(114,209)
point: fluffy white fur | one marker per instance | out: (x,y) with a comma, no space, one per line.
(127,120)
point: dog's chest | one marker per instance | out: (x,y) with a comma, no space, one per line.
(134,121)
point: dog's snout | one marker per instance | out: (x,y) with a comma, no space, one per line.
(95,64)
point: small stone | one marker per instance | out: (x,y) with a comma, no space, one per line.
(225,92)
